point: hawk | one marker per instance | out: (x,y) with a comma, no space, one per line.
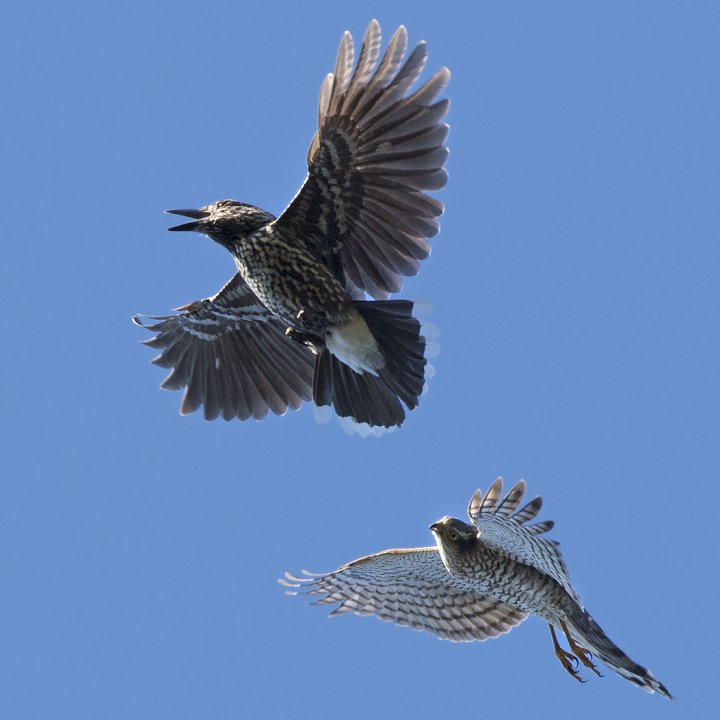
(480,581)
(294,323)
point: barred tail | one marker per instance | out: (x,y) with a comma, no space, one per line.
(589,634)
(373,398)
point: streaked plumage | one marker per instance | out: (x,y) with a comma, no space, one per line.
(293,324)
(411,587)
(480,581)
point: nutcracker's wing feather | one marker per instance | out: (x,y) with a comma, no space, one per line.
(364,209)
(231,356)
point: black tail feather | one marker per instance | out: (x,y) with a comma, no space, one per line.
(362,398)
(375,399)
(398,336)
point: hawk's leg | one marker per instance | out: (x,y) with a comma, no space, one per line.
(583,653)
(567,660)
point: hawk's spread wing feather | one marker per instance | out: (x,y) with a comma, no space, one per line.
(363,209)
(232,356)
(503,527)
(410,587)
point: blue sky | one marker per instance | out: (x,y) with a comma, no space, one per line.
(575,284)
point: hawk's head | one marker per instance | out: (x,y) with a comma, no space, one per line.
(455,532)
(455,539)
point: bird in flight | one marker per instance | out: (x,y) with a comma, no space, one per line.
(295,323)
(479,581)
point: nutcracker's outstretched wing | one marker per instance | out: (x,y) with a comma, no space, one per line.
(364,208)
(232,356)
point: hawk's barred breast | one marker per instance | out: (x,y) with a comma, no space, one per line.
(480,581)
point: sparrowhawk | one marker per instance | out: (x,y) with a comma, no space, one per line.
(481,580)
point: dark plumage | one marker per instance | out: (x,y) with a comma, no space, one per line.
(294,323)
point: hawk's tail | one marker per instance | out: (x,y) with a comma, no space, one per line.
(590,635)
(394,368)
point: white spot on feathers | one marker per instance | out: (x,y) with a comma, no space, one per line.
(353,344)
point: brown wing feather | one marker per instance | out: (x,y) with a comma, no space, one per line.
(232,356)
(364,210)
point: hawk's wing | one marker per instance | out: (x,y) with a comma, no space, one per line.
(363,209)
(232,356)
(504,528)
(410,587)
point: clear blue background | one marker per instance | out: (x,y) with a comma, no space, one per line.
(575,282)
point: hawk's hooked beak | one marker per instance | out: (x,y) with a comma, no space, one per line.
(436,527)
(197,214)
